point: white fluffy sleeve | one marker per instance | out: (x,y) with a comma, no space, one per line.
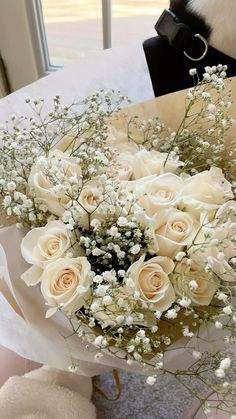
(47,393)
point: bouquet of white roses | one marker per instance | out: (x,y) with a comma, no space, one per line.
(130,236)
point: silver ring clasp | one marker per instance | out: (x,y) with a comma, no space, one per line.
(204,41)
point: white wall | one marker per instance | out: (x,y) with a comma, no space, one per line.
(17,44)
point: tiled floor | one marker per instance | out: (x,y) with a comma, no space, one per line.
(167,399)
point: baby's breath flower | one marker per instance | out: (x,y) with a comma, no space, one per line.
(130,348)
(135,249)
(185,302)
(225,364)
(11,186)
(227,310)
(107,300)
(137,356)
(211,107)
(171,314)
(158,314)
(151,380)
(98,356)
(100,341)
(101,289)
(129,320)
(186,332)
(73,367)
(222,297)
(95,306)
(193,71)
(197,355)
(180,256)
(154,329)
(120,319)
(193,284)
(220,373)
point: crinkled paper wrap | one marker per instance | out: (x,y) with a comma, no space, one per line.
(23,326)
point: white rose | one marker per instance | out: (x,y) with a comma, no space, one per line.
(45,244)
(206,191)
(91,204)
(171,230)
(41,185)
(65,283)
(146,163)
(151,280)
(90,196)
(158,192)
(121,169)
(125,152)
(204,287)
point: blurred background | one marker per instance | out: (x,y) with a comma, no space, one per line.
(40,36)
(74,27)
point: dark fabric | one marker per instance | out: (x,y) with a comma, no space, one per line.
(195,22)
(169,68)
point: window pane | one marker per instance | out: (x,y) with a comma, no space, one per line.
(74,27)
(134,20)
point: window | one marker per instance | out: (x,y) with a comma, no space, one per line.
(76,28)
(37,36)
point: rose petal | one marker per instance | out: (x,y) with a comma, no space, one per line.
(32,276)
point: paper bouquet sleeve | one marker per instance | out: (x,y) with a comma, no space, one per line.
(23,326)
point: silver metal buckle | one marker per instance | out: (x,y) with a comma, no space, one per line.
(197,35)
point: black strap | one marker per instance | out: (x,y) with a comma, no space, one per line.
(177,34)
(180,36)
